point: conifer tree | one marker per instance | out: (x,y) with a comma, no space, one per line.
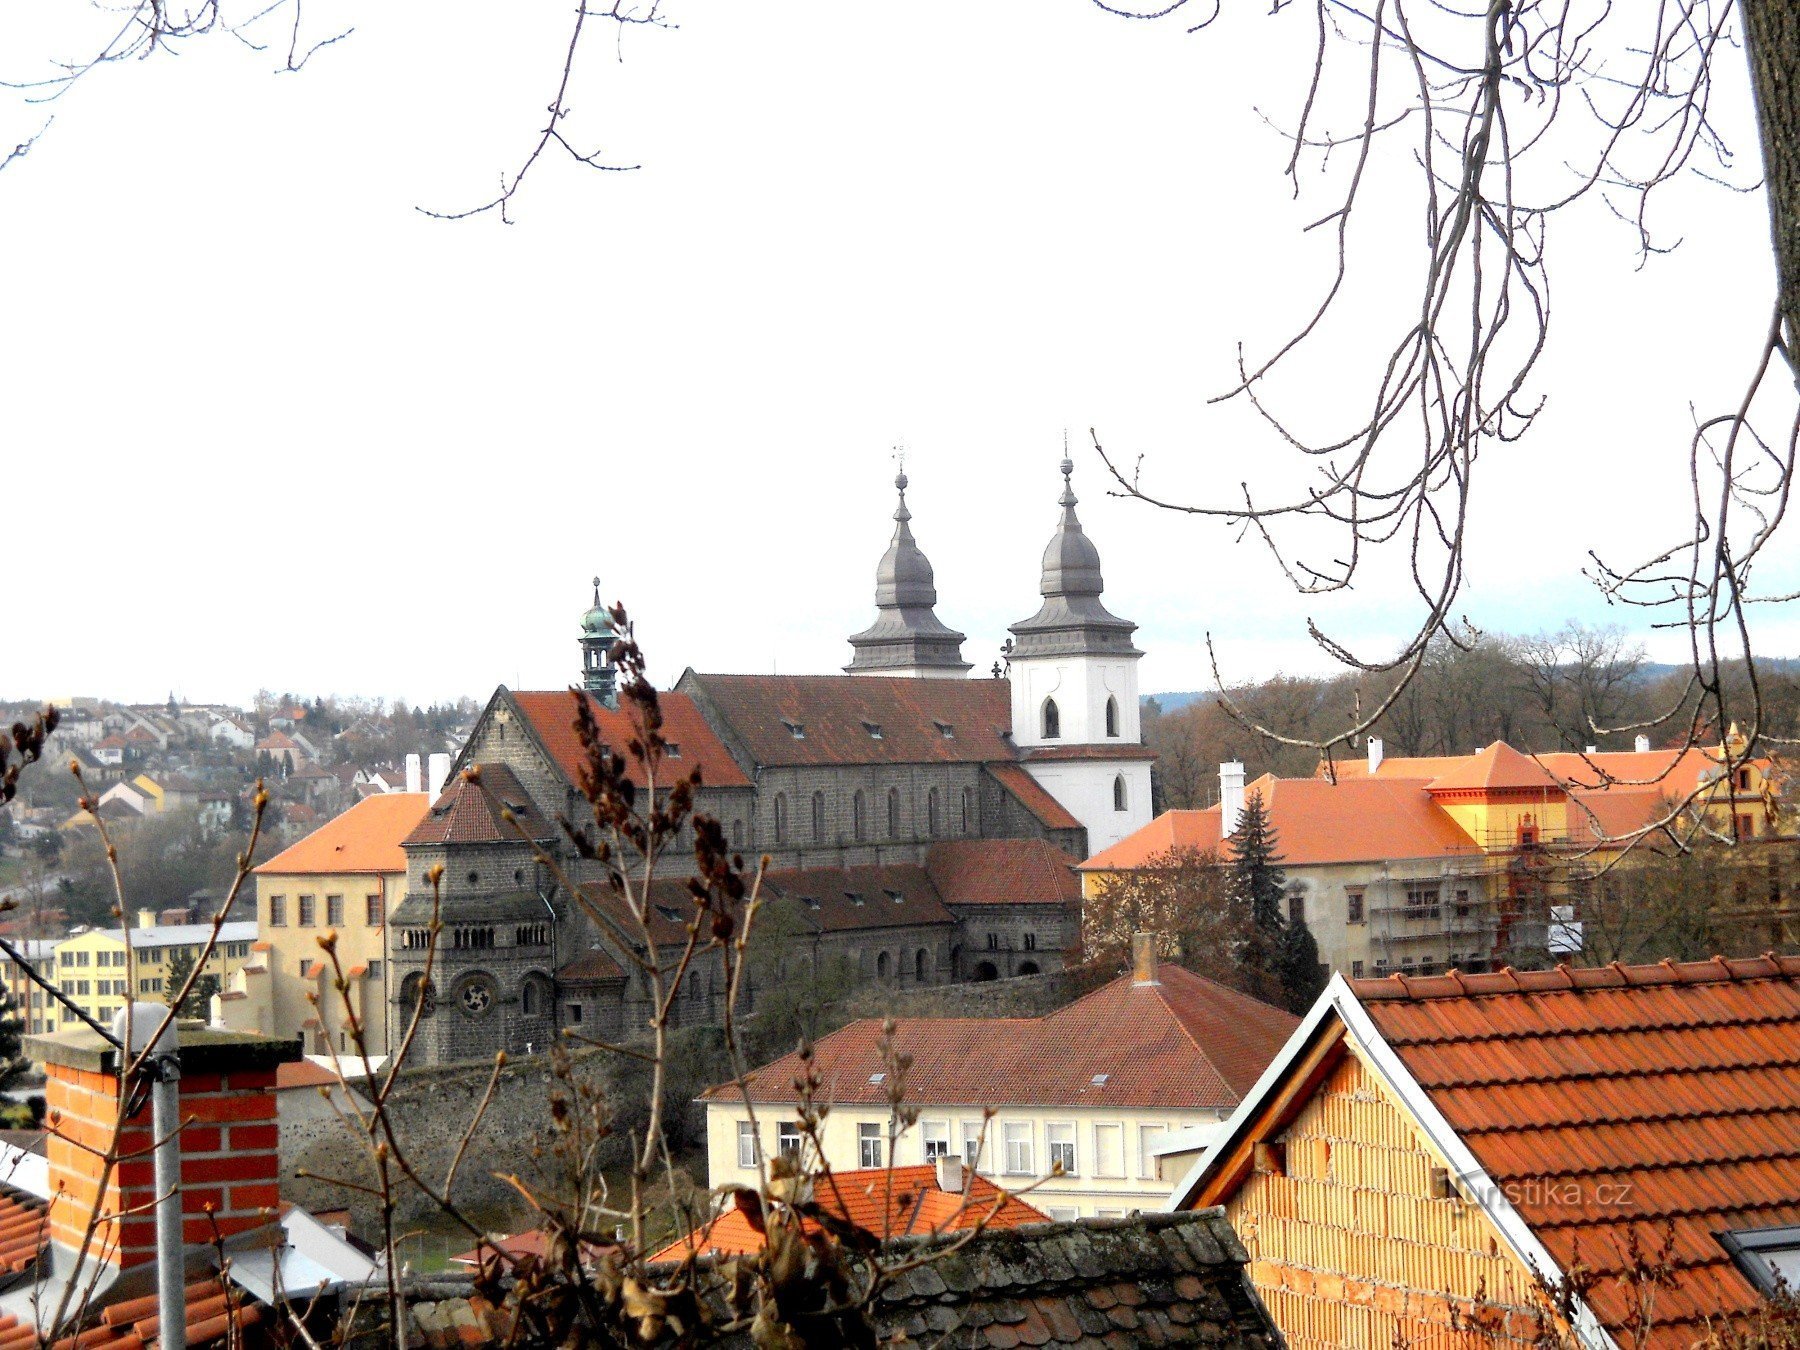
(1280,959)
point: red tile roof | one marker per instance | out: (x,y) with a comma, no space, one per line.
(475,812)
(1676,1086)
(1494,768)
(303,1073)
(882,1201)
(1002,871)
(1118,750)
(216,1311)
(835,714)
(551,715)
(366,838)
(1033,796)
(836,899)
(1185,1042)
(591,965)
(24,1231)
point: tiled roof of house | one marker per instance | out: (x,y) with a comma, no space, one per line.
(1671,772)
(1494,768)
(366,838)
(1033,796)
(216,1311)
(1002,871)
(837,899)
(552,718)
(1183,1042)
(474,812)
(1674,1086)
(1119,750)
(1314,821)
(862,719)
(24,1231)
(886,1202)
(590,965)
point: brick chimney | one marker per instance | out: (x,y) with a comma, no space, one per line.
(230,1168)
(1143,959)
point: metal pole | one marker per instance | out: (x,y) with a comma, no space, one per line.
(165,1121)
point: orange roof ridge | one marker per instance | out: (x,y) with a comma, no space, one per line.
(1719,969)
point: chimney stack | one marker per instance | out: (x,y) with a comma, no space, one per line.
(1231,797)
(439,772)
(1143,960)
(146,918)
(230,1162)
(950,1177)
(1591,750)
(415,781)
(1642,744)
(1374,754)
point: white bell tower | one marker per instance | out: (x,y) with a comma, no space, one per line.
(1075,691)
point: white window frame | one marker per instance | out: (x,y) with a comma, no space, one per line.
(1016,1148)
(1149,1165)
(1062,1213)
(749,1144)
(869,1134)
(934,1136)
(1118,1132)
(973,1151)
(1059,1142)
(788,1137)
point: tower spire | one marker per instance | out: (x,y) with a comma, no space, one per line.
(598,675)
(1072,619)
(906,637)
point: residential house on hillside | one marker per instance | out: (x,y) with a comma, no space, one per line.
(1423,1150)
(289,749)
(1457,862)
(93,972)
(1084,1099)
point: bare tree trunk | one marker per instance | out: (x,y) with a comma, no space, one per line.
(1772,31)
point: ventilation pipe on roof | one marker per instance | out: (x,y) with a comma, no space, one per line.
(439,773)
(1143,959)
(1374,753)
(1231,797)
(414,781)
(1641,744)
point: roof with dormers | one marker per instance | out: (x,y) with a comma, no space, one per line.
(550,715)
(1002,872)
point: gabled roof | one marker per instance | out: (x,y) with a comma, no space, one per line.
(1554,1093)
(886,1202)
(1353,820)
(475,812)
(1001,872)
(1185,1042)
(837,899)
(551,715)
(861,719)
(1033,796)
(366,838)
(1495,768)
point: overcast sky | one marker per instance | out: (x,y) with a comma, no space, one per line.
(266,424)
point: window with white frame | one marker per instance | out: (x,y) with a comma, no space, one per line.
(746,1140)
(868,1144)
(1059,1142)
(1063,1213)
(787,1138)
(936,1134)
(1109,1150)
(1150,1138)
(972,1144)
(1016,1137)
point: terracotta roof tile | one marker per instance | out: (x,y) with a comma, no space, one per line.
(366,838)
(886,1202)
(1002,871)
(1185,1042)
(475,812)
(216,1311)
(1033,796)
(838,716)
(591,965)
(1674,1085)
(838,899)
(552,718)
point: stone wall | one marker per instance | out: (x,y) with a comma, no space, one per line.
(1026,996)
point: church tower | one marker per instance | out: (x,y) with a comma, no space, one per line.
(906,638)
(1075,691)
(598,675)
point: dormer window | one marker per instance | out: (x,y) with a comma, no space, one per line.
(669,912)
(854,897)
(1052,720)
(795,729)
(672,749)
(874,730)
(810,901)
(896,897)
(945,730)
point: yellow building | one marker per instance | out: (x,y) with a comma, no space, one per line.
(94,972)
(345,877)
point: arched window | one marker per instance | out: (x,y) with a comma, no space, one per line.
(859,816)
(414,990)
(882,964)
(781,817)
(1118,792)
(968,811)
(893,813)
(1052,720)
(921,965)
(1112,715)
(818,817)
(931,812)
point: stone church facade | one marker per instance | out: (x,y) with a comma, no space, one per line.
(921,826)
